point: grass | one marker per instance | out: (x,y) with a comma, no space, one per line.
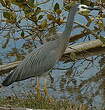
(40,101)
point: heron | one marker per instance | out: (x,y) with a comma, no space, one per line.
(43,59)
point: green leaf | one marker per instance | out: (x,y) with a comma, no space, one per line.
(44,24)
(40,17)
(102,39)
(22,34)
(58,11)
(56,7)
(31,3)
(10,16)
(6,15)
(5,3)
(85,13)
(38,10)
(50,17)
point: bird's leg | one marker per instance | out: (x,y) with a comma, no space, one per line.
(38,88)
(37,83)
(45,88)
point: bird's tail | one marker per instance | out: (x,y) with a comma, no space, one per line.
(9,79)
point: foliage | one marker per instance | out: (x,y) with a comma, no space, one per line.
(26,24)
(26,21)
(39,22)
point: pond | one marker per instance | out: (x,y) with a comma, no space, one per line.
(81,81)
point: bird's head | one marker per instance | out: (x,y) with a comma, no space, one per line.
(82,8)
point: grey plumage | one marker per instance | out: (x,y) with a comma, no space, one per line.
(37,62)
(44,58)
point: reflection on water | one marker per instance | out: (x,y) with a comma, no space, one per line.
(80,81)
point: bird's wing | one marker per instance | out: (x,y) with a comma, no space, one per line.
(36,63)
(40,61)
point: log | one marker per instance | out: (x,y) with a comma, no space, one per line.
(84,46)
(82,50)
(83,54)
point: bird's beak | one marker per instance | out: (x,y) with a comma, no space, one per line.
(92,8)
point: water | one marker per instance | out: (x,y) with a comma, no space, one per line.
(81,81)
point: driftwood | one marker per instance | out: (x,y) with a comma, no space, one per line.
(84,46)
(83,54)
(83,50)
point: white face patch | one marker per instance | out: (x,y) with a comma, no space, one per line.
(83,8)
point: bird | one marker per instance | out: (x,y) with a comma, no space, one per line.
(43,59)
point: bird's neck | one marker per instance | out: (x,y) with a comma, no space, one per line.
(69,24)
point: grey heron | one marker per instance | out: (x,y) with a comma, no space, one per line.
(44,58)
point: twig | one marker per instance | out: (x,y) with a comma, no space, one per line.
(92,32)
